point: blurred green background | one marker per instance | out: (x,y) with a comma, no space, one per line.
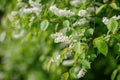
(27,58)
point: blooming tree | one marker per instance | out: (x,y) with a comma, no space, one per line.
(81,30)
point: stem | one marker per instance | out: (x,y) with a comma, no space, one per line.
(94,16)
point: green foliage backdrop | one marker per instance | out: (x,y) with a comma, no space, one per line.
(59,39)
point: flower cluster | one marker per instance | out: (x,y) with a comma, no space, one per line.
(105,1)
(76,3)
(2,36)
(36,8)
(80,22)
(68,62)
(18,35)
(83,13)
(81,73)
(59,37)
(60,12)
(105,19)
(12,15)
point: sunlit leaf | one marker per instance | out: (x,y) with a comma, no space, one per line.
(101,45)
(44,25)
(112,25)
(65,76)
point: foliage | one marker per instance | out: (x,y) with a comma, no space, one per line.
(60,40)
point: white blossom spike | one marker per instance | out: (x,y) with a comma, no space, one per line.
(81,73)
(61,12)
(80,22)
(83,13)
(67,62)
(59,37)
(105,20)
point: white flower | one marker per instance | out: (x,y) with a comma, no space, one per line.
(116,17)
(105,1)
(21,4)
(82,13)
(27,10)
(2,36)
(59,37)
(91,9)
(35,8)
(67,62)
(80,22)
(34,4)
(2,75)
(18,35)
(60,12)
(81,73)
(31,10)
(58,57)
(105,20)
(75,2)
(19,0)
(12,15)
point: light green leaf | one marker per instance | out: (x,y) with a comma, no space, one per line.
(67,2)
(49,65)
(114,74)
(101,45)
(65,76)
(91,31)
(86,64)
(112,25)
(66,23)
(78,47)
(62,54)
(114,6)
(100,8)
(44,25)
(76,56)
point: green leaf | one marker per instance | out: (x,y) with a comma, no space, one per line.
(114,74)
(44,25)
(72,73)
(118,77)
(112,25)
(49,65)
(78,48)
(65,76)
(101,45)
(86,64)
(67,2)
(76,56)
(62,54)
(114,6)
(90,31)
(66,23)
(100,8)
(117,48)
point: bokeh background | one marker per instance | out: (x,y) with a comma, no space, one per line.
(27,58)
